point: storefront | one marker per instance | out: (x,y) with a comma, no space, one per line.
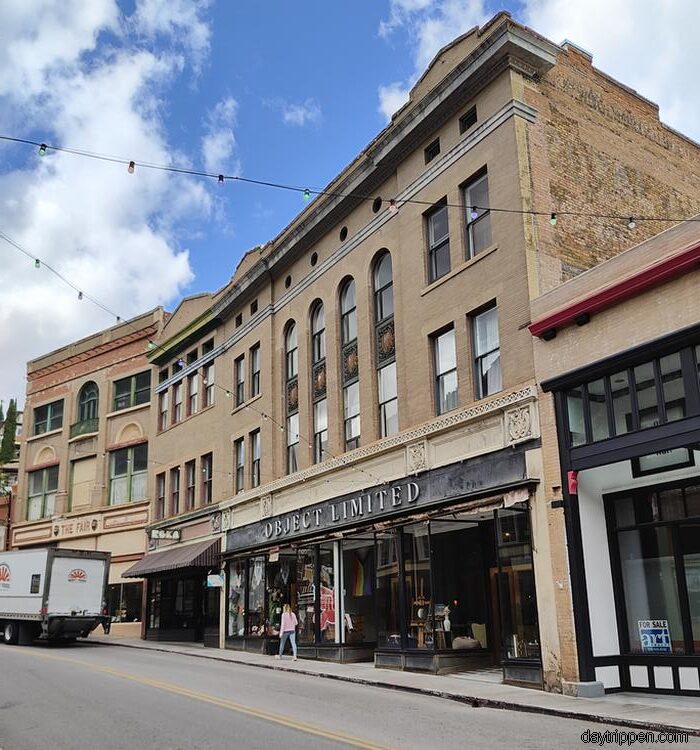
(182,592)
(629,430)
(431,573)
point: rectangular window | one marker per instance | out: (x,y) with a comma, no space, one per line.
(162,410)
(207,346)
(621,402)
(175,491)
(48,417)
(160,495)
(438,243)
(239,379)
(467,120)
(476,204)
(320,430)
(239,320)
(190,484)
(239,459)
(207,472)
(255,458)
(177,402)
(577,424)
(445,358)
(292,443)
(128,476)
(351,407)
(192,394)
(209,385)
(255,370)
(163,376)
(132,391)
(672,386)
(599,410)
(253,307)
(432,151)
(41,500)
(192,357)
(487,353)
(388,401)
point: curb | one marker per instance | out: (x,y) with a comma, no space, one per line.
(473,701)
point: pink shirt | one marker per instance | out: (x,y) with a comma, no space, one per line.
(289,622)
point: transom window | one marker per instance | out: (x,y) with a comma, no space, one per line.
(88,401)
(132,391)
(48,417)
(438,243)
(476,203)
(128,474)
(41,501)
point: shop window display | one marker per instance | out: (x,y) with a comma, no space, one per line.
(281,590)
(256,597)
(416,554)
(387,588)
(306,594)
(327,593)
(358,581)
(236,598)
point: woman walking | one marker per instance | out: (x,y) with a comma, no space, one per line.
(288,630)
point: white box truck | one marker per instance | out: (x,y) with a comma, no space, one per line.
(52,594)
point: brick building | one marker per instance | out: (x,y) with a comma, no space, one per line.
(354,421)
(85,453)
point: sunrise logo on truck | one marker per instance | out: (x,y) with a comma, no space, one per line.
(5,576)
(77,575)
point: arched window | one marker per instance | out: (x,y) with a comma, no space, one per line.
(348,312)
(385,343)
(292,395)
(292,352)
(383,288)
(318,333)
(350,364)
(88,400)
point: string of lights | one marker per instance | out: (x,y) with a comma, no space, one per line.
(152,345)
(553,214)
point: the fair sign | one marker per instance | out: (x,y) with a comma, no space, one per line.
(654,636)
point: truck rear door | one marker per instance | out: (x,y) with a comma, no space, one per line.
(76,586)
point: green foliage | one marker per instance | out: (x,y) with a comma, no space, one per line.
(7,447)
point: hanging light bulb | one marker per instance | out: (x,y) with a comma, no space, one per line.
(474,213)
(221,179)
(131,167)
(307,194)
(553,220)
(181,363)
(80,295)
(37,263)
(631,224)
(151,345)
(42,149)
(392,206)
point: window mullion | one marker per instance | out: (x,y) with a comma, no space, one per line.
(661,404)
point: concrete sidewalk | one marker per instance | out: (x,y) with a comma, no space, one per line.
(633,710)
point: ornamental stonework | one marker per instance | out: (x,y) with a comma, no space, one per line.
(292,396)
(226,519)
(416,458)
(215,521)
(386,342)
(350,362)
(319,380)
(519,424)
(266,506)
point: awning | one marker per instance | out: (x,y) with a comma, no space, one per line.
(200,555)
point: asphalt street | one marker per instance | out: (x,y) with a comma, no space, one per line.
(86,696)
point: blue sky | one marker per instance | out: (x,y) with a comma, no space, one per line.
(289,94)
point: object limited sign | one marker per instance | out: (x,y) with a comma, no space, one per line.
(165,534)
(654,636)
(5,576)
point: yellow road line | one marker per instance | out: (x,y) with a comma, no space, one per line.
(213,700)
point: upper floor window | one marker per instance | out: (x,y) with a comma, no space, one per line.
(445,359)
(41,500)
(467,120)
(292,443)
(438,243)
(388,401)
(177,402)
(128,476)
(209,384)
(255,458)
(291,352)
(487,353)
(48,417)
(162,410)
(207,474)
(132,391)
(88,401)
(432,151)
(192,357)
(320,430)
(318,333)
(190,484)
(476,203)
(208,346)
(239,458)
(160,496)
(383,288)
(254,370)
(175,491)
(192,393)
(348,312)
(239,378)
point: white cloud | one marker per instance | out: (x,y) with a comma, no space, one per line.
(308,111)
(650,47)
(111,232)
(429,25)
(219,141)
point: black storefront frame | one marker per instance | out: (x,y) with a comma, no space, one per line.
(634,444)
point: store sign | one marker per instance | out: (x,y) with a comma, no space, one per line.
(165,534)
(655,636)
(456,482)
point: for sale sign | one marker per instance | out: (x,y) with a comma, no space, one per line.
(654,636)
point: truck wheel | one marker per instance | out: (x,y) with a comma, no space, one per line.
(10,633)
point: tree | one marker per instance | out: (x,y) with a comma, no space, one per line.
(2,414)
(7,447)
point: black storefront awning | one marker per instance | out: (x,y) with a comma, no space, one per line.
(201,555)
